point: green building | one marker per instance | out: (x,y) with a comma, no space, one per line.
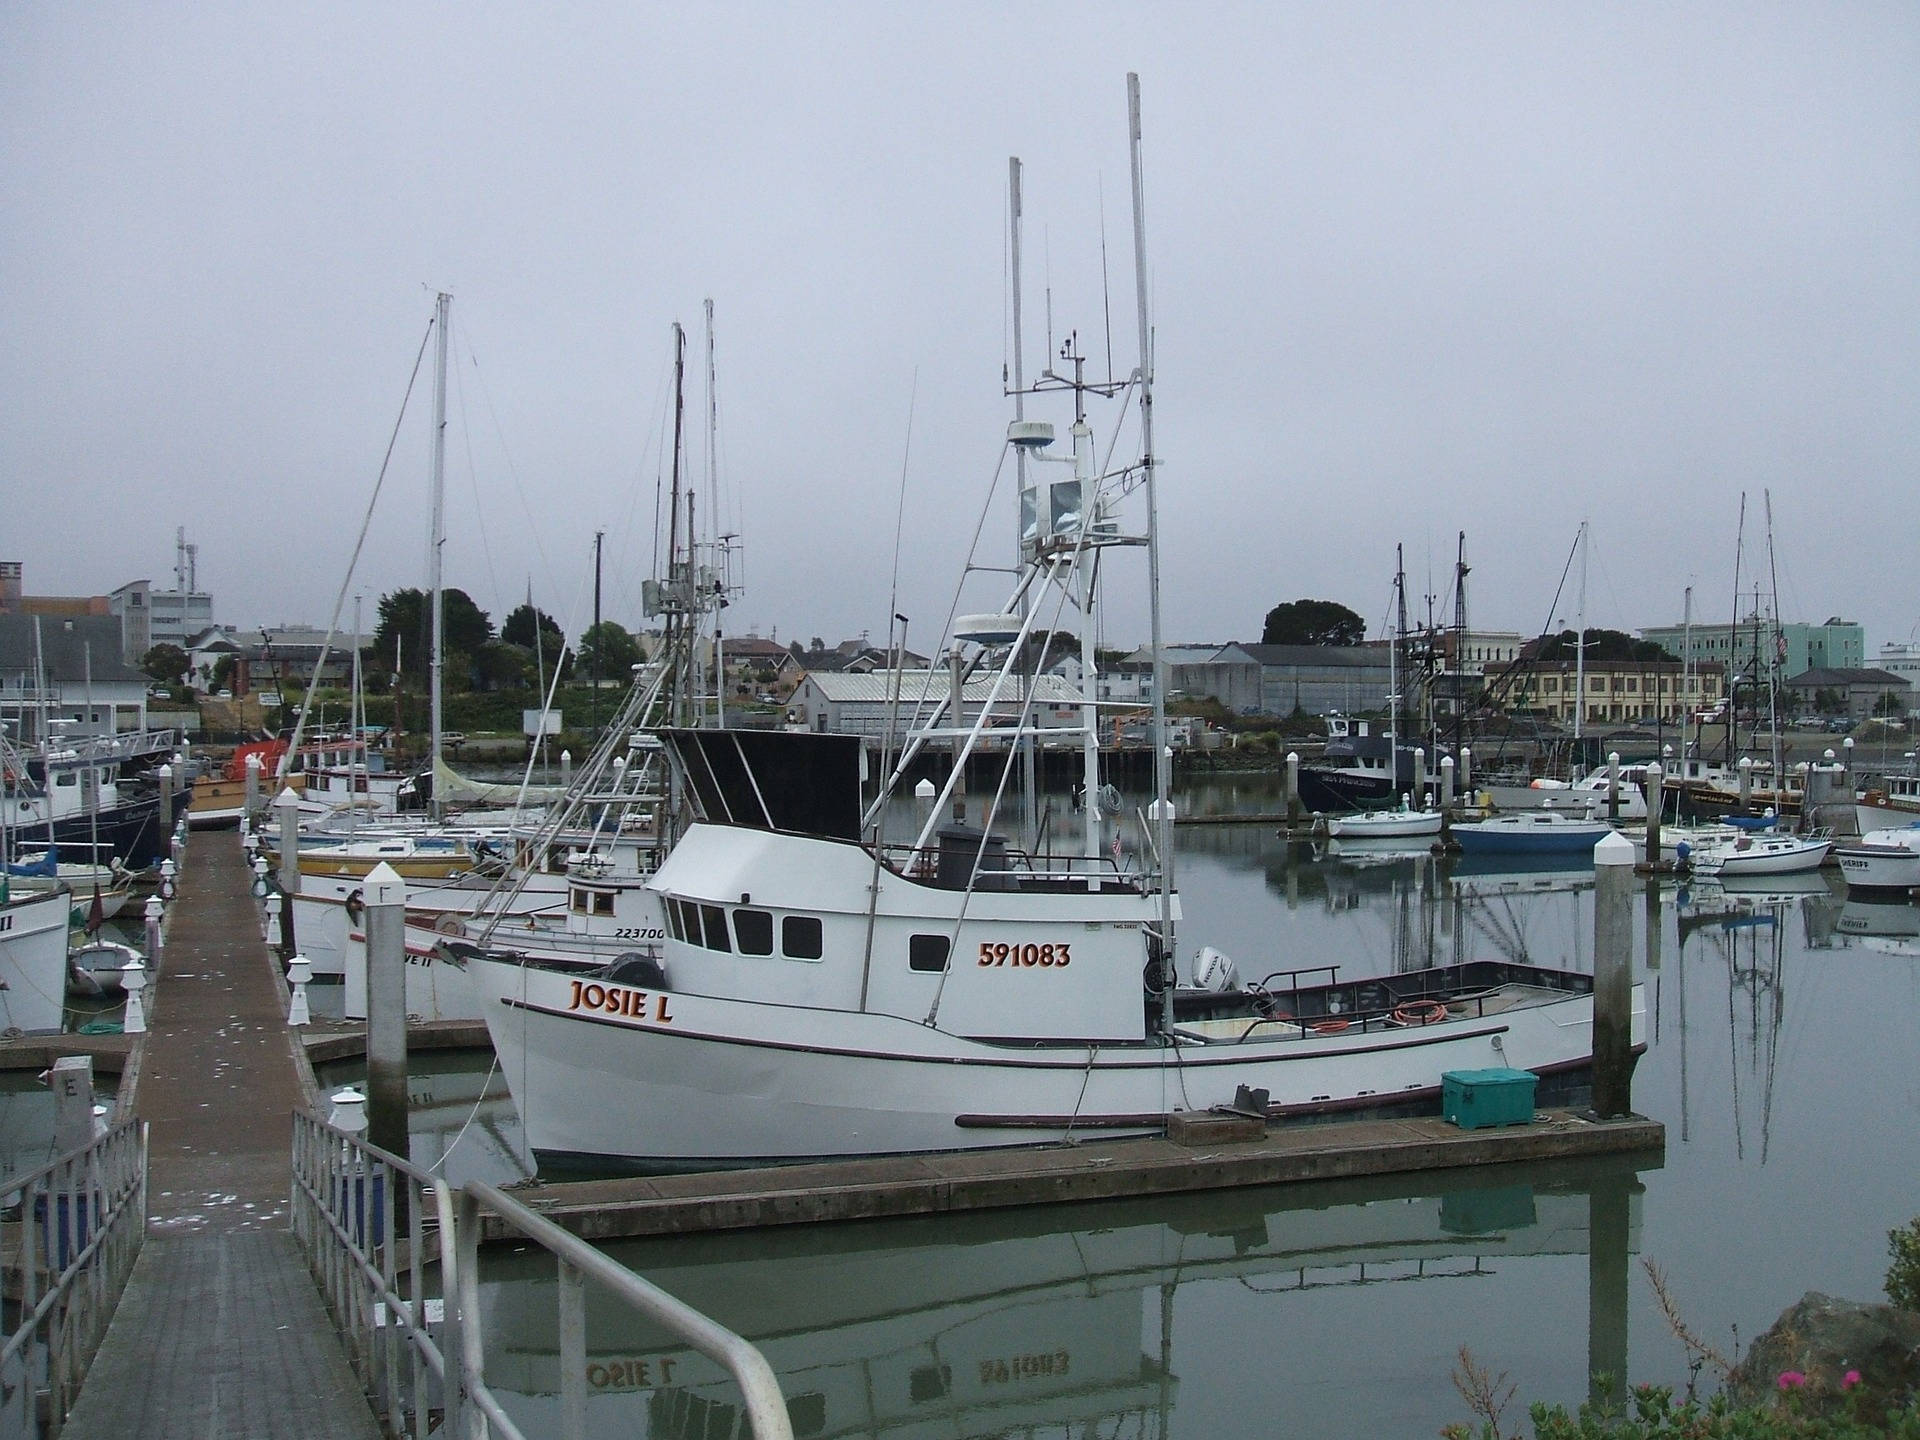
(1837,645)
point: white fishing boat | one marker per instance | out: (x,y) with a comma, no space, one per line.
(1764,853)
(824,991)
(1886,859)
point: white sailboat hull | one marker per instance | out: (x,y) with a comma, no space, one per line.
(612,1073)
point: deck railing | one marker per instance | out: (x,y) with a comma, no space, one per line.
(73,1229)
(401,1338)
(352,1203)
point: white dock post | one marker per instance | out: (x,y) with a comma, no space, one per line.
(299,972)
(1613,787)
(1746,783)
(1613,977)
(1446,782)
(251,798)
(156,942)
(1420,774)
(286,806)
(1293,791)
(165,776)
(385,924)
(133,979)
(72,1081)
(1466,770)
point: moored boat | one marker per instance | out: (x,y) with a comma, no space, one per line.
(1530,832)
(1887,860)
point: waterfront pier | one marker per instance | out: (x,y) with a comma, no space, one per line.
(220,1331)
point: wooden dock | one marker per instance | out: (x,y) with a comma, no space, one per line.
(1104,1170)
(221,1331)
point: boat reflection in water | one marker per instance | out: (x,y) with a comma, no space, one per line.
(1018,1321)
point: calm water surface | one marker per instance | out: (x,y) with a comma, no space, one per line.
(1784,1059)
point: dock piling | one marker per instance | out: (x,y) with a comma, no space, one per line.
(1613,977)
(1293,791)
(72,1079)
(386,924)
(1446,782)
(1656,798)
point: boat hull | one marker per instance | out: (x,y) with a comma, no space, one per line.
(617,1076)
(33,961)
(1890,868)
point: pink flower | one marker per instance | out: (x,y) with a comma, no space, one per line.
(1850,1379)
(1792,1380)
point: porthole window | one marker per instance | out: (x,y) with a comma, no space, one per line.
(927,953)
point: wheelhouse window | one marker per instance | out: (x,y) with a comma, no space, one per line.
(715,920)
(577,901)
(602,902)
(800,937)
(928,953)
(676,922)
(753,931)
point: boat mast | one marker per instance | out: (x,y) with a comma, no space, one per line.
(718,551)
(1028,763)
(1395,709)
(1162,754)
(677,618)
(1774,659)
(439,536)
(1580,651)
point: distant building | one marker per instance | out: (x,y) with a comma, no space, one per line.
(1901,660)
(854,703)
(1280,679)
(1617,691)
(15,601)
(1837,645)
(1859,691)
(150,617)
(67,668)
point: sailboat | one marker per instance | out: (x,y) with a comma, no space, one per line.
(826,991)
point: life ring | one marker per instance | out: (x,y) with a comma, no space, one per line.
(450,924)
(356,907)
(1420,1012)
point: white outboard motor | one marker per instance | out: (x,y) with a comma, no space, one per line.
(1214,970)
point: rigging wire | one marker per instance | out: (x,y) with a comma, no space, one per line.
(366,521)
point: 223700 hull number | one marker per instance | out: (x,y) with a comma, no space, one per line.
(1056,956)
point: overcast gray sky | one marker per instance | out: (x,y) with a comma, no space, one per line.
(1415,269)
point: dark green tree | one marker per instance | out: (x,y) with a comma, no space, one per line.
(609,651)
(1313,622)
(520,625)
(406,628)
(165,663)
(1609,645)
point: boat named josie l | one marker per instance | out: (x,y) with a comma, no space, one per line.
(819,996)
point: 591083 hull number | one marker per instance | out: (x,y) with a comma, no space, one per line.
(1051,956)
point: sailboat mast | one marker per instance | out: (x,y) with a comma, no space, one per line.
(1580,648)
(1774,659)
(439,536)
(719,554)
(1162,752)
(677,576)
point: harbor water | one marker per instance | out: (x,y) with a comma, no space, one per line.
(1783,1057)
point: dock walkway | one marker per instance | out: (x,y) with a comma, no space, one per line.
(221,1331)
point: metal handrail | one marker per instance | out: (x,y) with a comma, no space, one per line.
(83,1217)
(579,1262)
(346,1193)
